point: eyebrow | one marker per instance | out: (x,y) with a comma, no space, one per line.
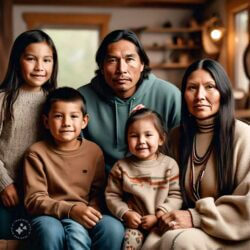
(128,55)
(30,54)
(208,82)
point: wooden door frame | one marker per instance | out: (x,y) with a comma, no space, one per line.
(6,34)
(233,7)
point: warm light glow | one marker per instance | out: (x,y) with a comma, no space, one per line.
(216,34)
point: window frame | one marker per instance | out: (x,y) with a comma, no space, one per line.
(65,20)
(233,7)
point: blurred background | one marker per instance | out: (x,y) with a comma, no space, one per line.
(173,32)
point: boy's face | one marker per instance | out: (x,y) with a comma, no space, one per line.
(65,122)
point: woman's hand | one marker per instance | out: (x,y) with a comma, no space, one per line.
(9,196)
(175,220)
(132,219)
(148,221)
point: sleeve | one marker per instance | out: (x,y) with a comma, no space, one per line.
(228,217)
(5,179)
(37,200)
(114,192)
(98,184)
(174,199)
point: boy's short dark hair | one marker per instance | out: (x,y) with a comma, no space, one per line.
(65,94)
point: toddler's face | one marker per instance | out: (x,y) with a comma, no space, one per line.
(36,65)
(143,139)
(65,122)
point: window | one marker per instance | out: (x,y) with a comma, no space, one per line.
(76,37)
(76,50)
(241,42)
(238,33)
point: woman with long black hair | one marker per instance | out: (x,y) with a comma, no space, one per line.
(213,152)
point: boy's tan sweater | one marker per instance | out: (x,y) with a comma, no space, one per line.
(55,180)
(143,186)
(228,216)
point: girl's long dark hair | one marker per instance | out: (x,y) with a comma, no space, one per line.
(223,130)
(13,78)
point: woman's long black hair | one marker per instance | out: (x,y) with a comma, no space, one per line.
(223,130)
(13,79)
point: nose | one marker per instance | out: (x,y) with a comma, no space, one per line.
(141,139)
(201,93)
(66,121)
(39,65)
(122,66)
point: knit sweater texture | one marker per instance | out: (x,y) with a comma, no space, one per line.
(55,180)
(108,113)
(143,186)
(18,134)
(222,216)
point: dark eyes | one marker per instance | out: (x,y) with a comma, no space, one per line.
(194,87)
(46,60)
(58,116)
(116,60)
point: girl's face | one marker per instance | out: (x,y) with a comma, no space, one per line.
(201,95)
(143,139)
(36,65)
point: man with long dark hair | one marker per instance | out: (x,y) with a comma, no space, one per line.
(123,82)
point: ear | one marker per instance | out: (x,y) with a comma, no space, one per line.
(162,139)
(142,67)
(45,121)
(85,121)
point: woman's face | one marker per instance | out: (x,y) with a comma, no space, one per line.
(201,95)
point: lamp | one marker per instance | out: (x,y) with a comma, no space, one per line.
(212,34)
(216,34)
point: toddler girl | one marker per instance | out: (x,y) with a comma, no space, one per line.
(144,186)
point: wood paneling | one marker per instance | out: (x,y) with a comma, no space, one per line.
(41,20)
(5,34)
(116,3)
(233,6)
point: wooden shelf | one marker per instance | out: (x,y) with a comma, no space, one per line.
(169,66)
(172,30)
(170,47)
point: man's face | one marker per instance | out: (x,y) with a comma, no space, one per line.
(122,68)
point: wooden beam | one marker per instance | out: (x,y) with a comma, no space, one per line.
(5,34)
(115,3)
(233,7)
(40,20)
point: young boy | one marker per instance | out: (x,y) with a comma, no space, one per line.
(64,181)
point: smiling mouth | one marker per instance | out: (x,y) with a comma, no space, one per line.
(37,76)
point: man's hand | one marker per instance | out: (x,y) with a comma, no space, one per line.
(132,219)
(9,196)
(85,215)
(148,221)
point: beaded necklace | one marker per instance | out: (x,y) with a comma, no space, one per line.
(197,161)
